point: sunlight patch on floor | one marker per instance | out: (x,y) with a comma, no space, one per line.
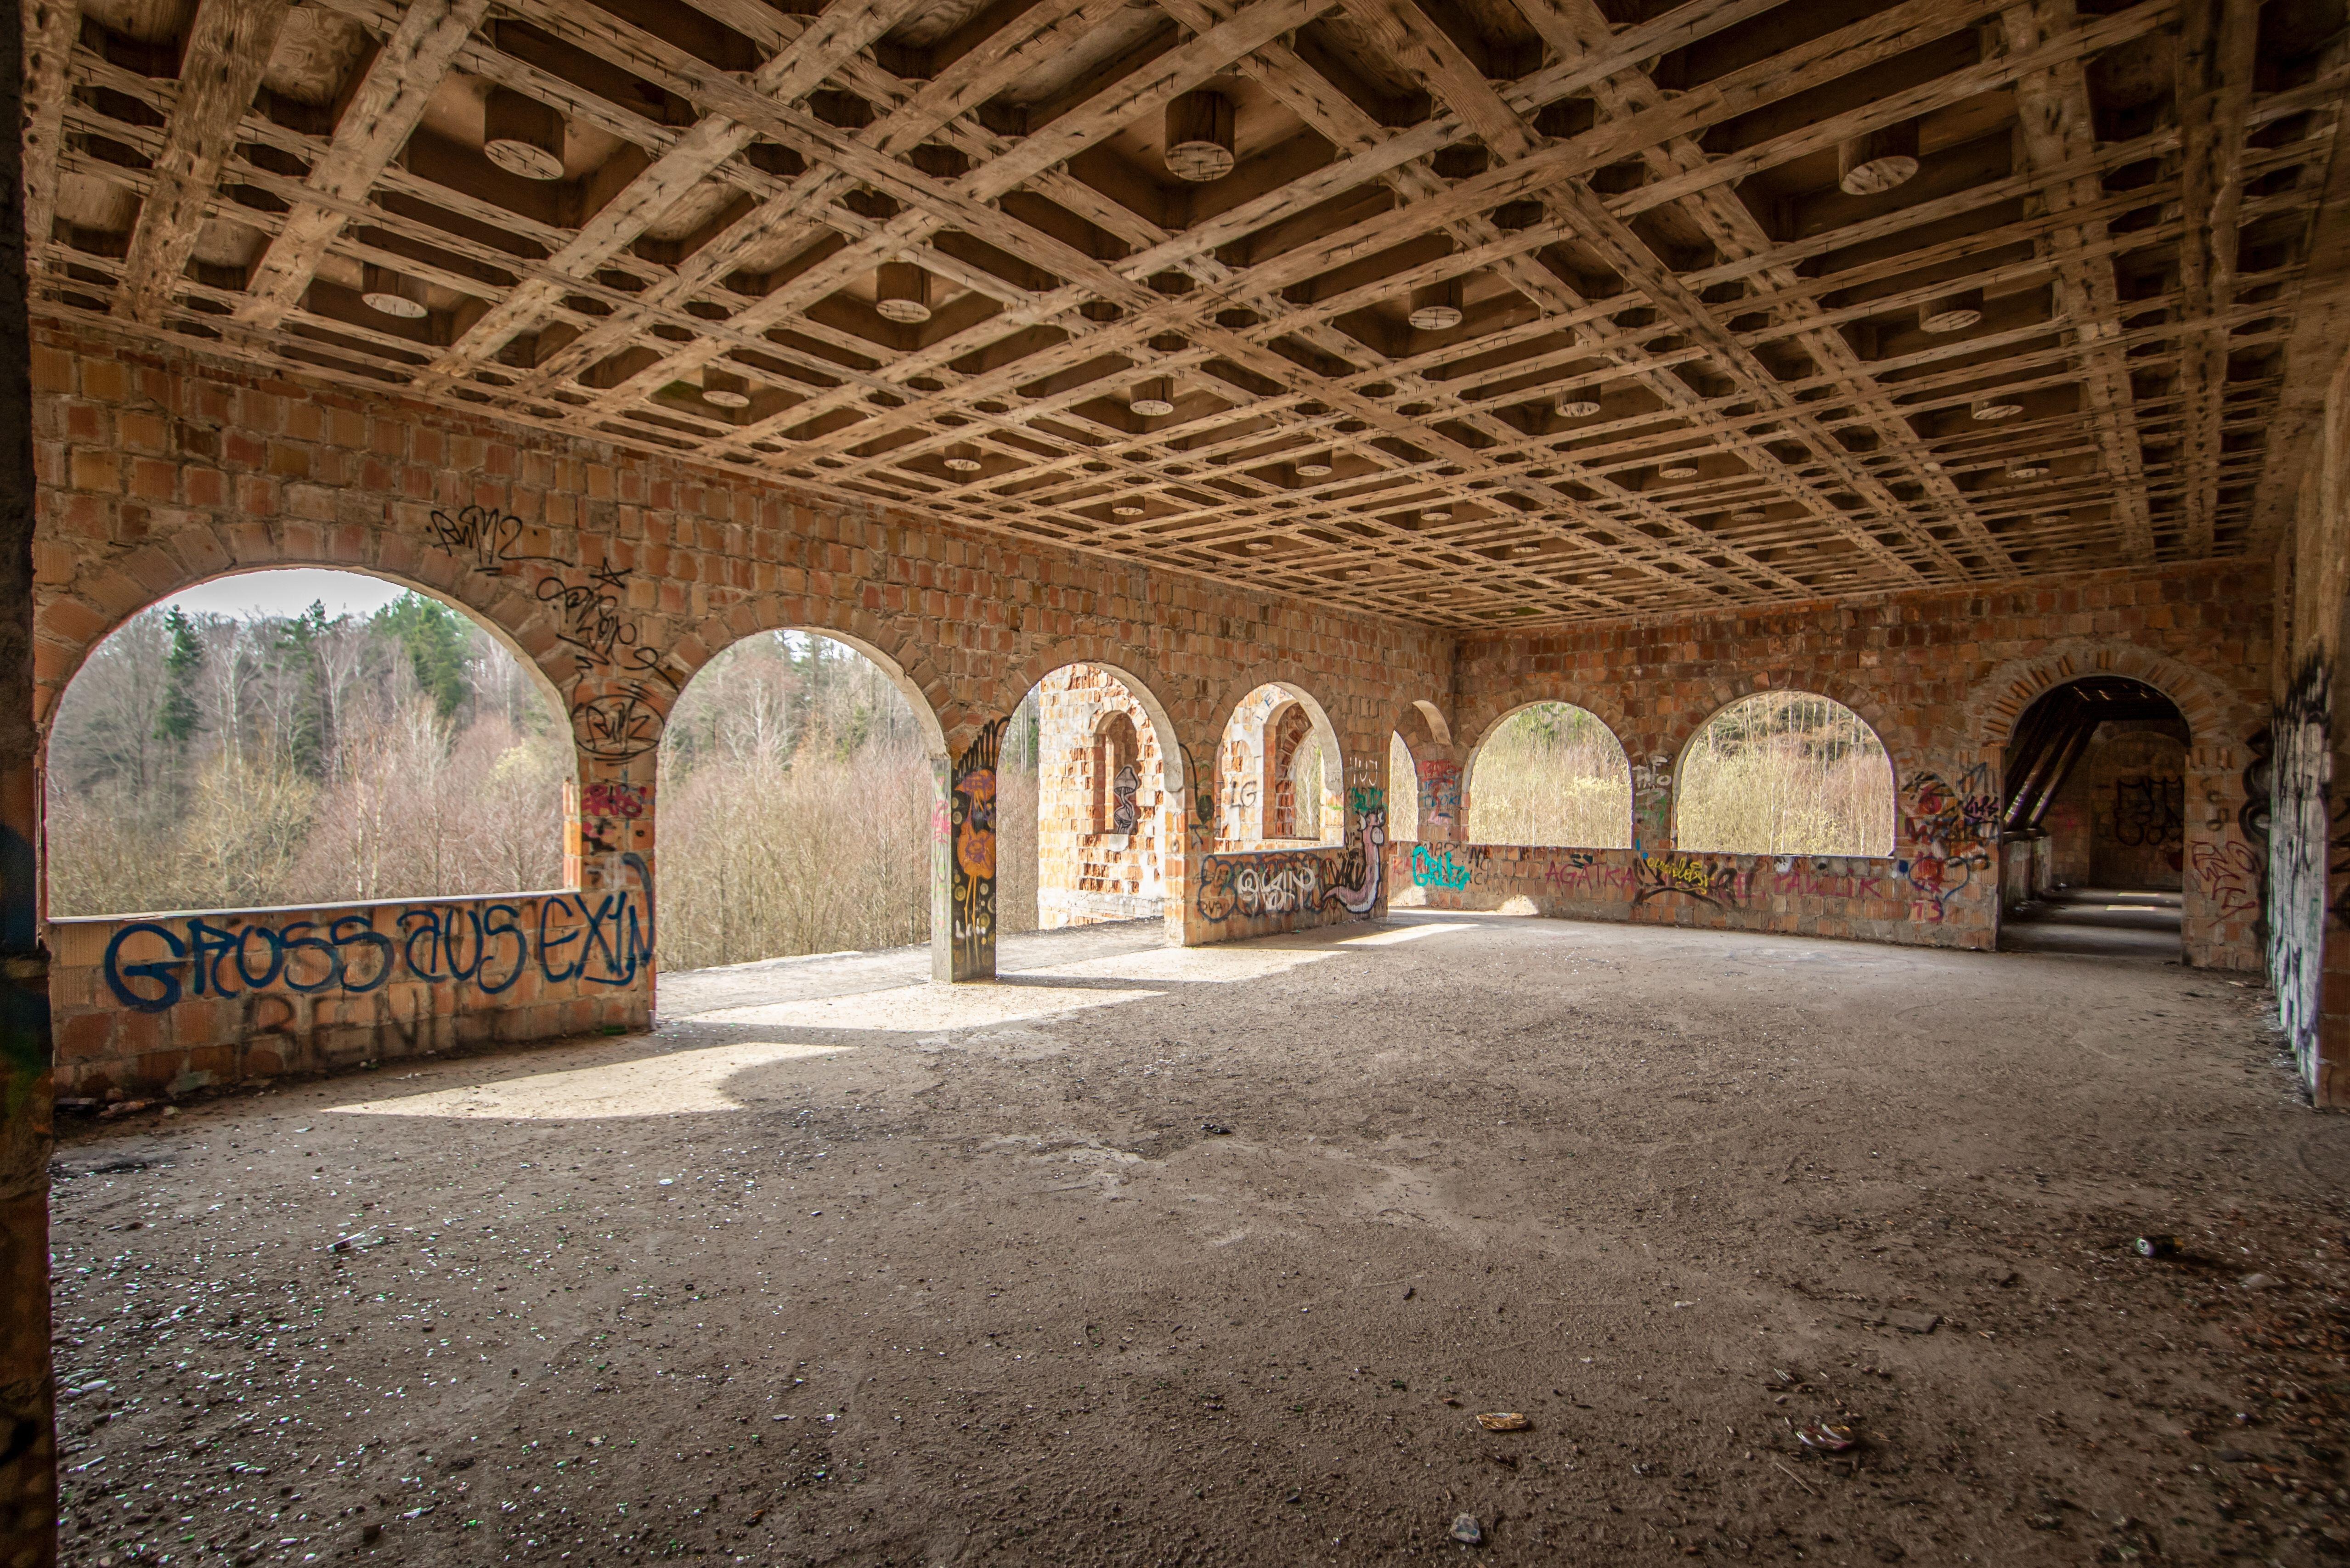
(922,1009)
(1211,964)
(683,1082)
(1403,934)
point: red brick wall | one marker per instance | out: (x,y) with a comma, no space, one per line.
(147,1003)
(1941,676)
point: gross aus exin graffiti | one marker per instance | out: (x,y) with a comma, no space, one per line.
(1279,883)
(593,939)
(972,829)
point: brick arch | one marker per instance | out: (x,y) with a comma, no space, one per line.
(1218,710)
(914,675)
(1475,724)
(1900,740)
(1145,688)
(70,622)
(1999,699)
(1901,746)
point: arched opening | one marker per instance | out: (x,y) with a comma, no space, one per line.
(302,737)
(2092,820)
(1081,786)
(1280,772)
(1551,774)
(1403,791)
(796,790)
(1785,773)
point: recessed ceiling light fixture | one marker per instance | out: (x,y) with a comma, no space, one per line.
(1315,465)
(901,293)
(1128,507)
(1577,408)
(963,458)
(1870,164)
(1200,137)
(725,389)
(392,293)
(1153,398)
(1989,408)
(1436,306)
(1952,312)
(1678,469)
(522,135)
(2028,468)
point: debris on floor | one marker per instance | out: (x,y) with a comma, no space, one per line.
(1826,1437)
(1504,1421)
(1467,1530)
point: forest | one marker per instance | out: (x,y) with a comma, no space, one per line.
(223,762)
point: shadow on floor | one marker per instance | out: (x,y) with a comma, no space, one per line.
(2099,922)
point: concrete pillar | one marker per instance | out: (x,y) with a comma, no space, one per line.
(28,1464)
(962,860)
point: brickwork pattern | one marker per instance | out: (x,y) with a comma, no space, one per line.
(1086,871)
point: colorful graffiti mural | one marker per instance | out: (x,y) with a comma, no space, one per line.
(1438,869)
(972,864)
(1439,797)
(1279,883)
(1358,890)
(1951,830)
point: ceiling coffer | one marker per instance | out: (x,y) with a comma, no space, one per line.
(1878,160)
(902,292)
(522,135)
(1200,137)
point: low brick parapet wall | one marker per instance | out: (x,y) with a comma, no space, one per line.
(178,1002)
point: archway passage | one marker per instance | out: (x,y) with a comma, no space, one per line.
(302,738)
(1098,763)
(795,791)
(1279,774)
(2093,829)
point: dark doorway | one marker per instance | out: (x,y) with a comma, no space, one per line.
(2094,832)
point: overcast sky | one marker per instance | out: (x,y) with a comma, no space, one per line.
(288,593)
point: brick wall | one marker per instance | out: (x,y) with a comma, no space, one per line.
(1941,677)
(1088,867)
(2123,811)
(620,575)
(148,1003)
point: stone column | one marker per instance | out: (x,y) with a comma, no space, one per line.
(963,861)
(28,1465)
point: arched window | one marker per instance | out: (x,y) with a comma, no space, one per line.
(1117,774)
(1292,774)
(1403,792)
(1785,773)
(302,736)
(1552,774)
(795,791)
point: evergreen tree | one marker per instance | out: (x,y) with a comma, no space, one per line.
(437,642)
(181,718)
(306,740)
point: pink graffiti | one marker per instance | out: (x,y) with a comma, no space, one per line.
(621,800)
(2231,876)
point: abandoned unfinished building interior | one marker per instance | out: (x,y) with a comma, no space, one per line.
(936,781)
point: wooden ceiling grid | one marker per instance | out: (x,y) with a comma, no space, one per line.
(1482,313)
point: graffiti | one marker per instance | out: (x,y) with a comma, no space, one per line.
(1652,803)
(1358,891)
(1123,813)
(2148,812)
(599,939)
(2301,830)
(1712,884)
(1952,828)
(621,800)
(1439,794)
(2230,876)
(2252,817)
(972,893)
(1583,871)
(616,726)
(1799,879)
(490,540)
(1364,799)
(1279,883)
(593,624)
(1436,870)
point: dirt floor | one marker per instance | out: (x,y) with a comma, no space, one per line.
(1152,1256)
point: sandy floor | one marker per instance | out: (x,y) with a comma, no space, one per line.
(841,1268)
